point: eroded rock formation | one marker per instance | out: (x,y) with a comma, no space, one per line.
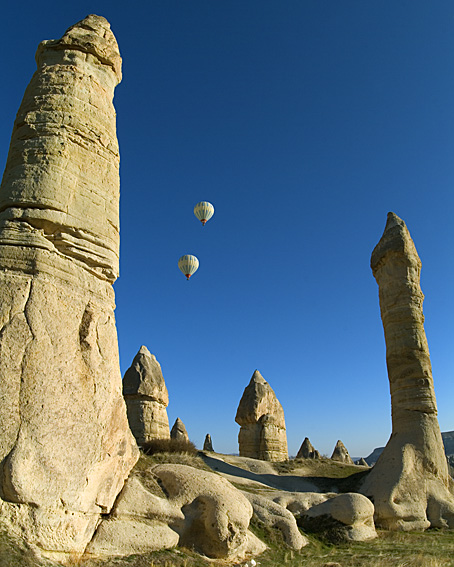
(307,451)
(208,444)
(177,504)
(261,417)
(178,431)
(146,398)
(65,445)
(340,454)
(345,517)
(409,485)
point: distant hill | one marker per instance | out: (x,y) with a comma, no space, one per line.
(448,442)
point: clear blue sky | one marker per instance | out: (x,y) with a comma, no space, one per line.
(304,123)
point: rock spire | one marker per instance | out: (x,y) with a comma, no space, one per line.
(178,431)
(307,451)
(65,444)
(410,485)
(208,444)
(340,454)
(261,417)
(146,398)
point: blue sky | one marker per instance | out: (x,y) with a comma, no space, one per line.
(304,123)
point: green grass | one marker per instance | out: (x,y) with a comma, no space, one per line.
(433,548)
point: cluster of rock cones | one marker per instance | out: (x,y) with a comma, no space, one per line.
(66,448)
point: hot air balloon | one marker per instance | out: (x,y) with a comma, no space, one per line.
(204,211)
(188,264)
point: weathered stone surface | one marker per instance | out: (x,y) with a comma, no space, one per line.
(274,515)
(178,431)
(349,516)
(261,417)
(65,446)
(307,451)
(409,485)
(146,398)
(208,444)
(361,462)
(298,502)
(340,454)
(216,514)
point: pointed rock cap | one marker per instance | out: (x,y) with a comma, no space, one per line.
(208,444)
(144,378)
(259,400)
(91,35)
(306,450)
(178,431)
(396,240)
(340,453)
(361,462)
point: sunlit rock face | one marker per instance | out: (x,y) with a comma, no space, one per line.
(341,454)
(65,445)
(146,398)
(261,417)
(409,485)
(178,431)
(307,450)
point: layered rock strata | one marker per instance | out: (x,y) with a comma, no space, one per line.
(65,445)
(146,398)
(178,431)
(341,454)
(261,417)
(409,485)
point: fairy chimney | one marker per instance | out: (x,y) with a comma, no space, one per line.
(261,417)
(146,398)
(340,454)
(409,484)
(65,444)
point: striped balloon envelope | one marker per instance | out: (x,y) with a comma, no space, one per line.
(188,264)
(204,211)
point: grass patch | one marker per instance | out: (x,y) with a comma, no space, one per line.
(169,446)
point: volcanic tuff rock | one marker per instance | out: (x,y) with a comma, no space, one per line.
(65,445)
(307,451)
(261,417)
(348,517)
(195,508)
(208,444)
(448,443)
(340,454)
(409,485)
(178,431)
(146,398)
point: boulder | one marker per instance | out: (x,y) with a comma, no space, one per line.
(307,451)
(146,398)
(274,515)
(340,454)
(361,462)
(208,444)
(178,431)
(409,484)
(346,517)
(65,444)
(261,417)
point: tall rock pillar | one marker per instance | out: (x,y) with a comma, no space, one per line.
(409,485)
(65,444)
(261,416)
